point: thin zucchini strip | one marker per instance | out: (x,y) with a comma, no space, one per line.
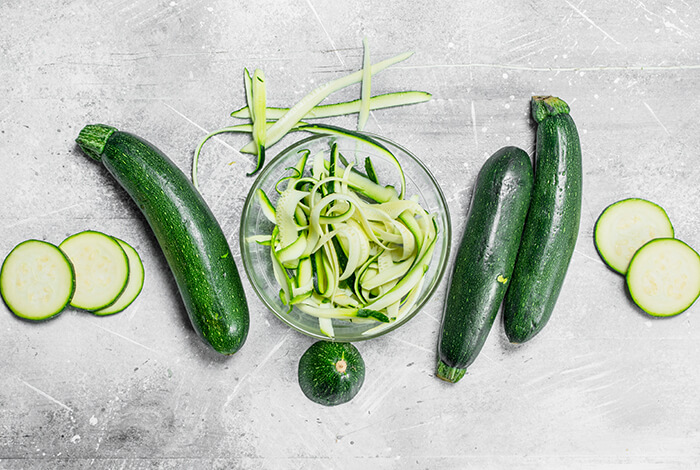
(366,87)
(297,112)
(258,107)
(383,101)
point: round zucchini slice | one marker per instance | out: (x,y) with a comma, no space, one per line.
(37,280)
(331,373)
(101,269)
(664,277)
(624,226)
(134,284)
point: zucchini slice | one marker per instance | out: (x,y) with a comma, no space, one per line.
(133,285)
(624,226)
(101,269)
(37,280)
(664,277)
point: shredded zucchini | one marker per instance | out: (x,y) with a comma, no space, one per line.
(341,248)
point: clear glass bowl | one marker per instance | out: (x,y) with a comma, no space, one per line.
(256,257)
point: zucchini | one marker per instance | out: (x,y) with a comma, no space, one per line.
(663,277)
(191,239)
(625,226)
(37,280)
(133,285)
(101,269)
(552,224)
(485,259)
(331,373)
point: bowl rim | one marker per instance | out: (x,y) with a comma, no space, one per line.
(441,268)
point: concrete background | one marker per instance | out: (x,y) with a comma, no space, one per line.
(603,385)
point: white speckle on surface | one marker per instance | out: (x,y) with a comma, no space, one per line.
(75,439)
(505,76)
(93,421)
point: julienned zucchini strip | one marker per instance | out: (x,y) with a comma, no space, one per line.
(383,101)
(366,88)
(297,112)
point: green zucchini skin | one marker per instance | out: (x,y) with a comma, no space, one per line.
(552,225)
(191,239)
(331,373)
(485,259)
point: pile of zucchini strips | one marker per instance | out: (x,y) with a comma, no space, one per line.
(343,246)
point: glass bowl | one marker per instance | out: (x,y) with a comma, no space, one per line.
(256,257)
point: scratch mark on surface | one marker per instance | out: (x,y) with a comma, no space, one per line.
(19,222)
(250,374)
(590,365)
(375,402)
(525,68)
(198,126)
(592,23)
(656,117)
(124,337)
(330,39)
(589,257)
(410,344)
(663,19)
(47,396)
(421,424)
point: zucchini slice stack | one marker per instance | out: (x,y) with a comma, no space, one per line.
(635,238)
(89,270)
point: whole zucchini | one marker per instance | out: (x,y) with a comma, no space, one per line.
(191,239)
(485,259)
(552,223)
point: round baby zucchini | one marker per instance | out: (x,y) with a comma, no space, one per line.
(37,280)
(624,226)
(133,285)
(552,224)
(485,259)
(101,269)
(192,241)
(331,373)
(664,277)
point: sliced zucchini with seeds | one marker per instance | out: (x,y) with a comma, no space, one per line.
(101,269)
(37,280)
(664,277)
(623,227)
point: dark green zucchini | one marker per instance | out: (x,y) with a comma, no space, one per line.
(552,223)
(331,373)
(485,259)
(190,237)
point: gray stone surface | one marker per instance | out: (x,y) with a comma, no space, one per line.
(603,385)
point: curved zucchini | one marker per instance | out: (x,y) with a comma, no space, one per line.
(190,237)
(552,224)
(485,259)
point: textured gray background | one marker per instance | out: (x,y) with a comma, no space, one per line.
(603,385)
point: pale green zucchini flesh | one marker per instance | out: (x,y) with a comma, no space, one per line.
(101,269)
(623,227)
(664,277)
(37,280)
(134,284)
